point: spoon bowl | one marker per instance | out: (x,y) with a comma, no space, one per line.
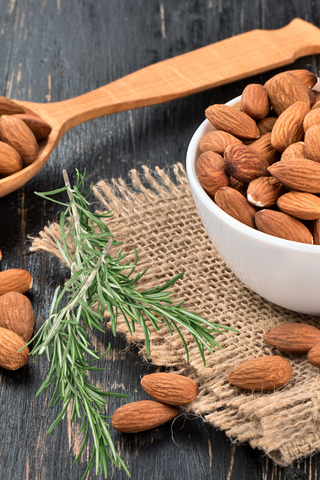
(192,72)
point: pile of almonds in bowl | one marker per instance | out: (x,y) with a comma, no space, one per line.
(20,134)
(262,163)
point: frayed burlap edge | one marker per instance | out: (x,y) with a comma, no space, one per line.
(161,221)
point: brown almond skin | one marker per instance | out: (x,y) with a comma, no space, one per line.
(16,314)
(217,141)
(293,337)
(231,120)
(239,186)
(143,415)
(39,127)
(236,205)
(288,128)
(264,191)
(298,174)
(317,104)
(15,133)
(264,147)
(237,106)
(314,228)
(255,101)
(304,206)
(295,150)
(9,107)
(211,173)
(170,388)
(312,142)
(261,374)
(311,119)
(10,357)
(314,356)
(285,89)
(10,160)
(308,79)
(266,125)
(281,225)
(313,98)
(15,280)
(244,163)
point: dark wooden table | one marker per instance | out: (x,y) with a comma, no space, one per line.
(54,50)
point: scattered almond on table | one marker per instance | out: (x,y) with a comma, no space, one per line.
(169,389)
(16,318)
(261,373)
(267,147)
(272,371)
(293,337)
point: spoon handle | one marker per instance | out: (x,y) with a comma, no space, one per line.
(237,57)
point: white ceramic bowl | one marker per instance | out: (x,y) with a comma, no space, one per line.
(284,272)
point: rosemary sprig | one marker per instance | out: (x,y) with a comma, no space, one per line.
(100,281)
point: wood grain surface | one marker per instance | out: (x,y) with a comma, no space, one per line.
(53,50)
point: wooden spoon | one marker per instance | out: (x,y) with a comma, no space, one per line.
(222,62)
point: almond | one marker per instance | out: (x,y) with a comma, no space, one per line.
(10,160)
(295,150)
(261,374)
(304,206)
(217,141)
(15,280)
(266,125)
(236,205)
(298,173)
(255,101)
(312,142)
(170,388)
(231,120)
(210,170)
(264,191)
(264,147)
(314,356)
(314,228)
(288,128)
(292,337)
(9,107)
(244,163)
(311,119)
(281,225)
(10,344)
(143,415)
(39,127)
(16,314)
(15,133)
(308,79)
(285,89)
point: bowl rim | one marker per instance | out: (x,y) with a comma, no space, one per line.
(225,217)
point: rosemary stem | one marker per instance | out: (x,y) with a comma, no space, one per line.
(111,284)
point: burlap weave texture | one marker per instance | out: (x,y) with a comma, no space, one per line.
(158,217)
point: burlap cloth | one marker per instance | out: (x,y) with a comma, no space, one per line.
(158,217)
